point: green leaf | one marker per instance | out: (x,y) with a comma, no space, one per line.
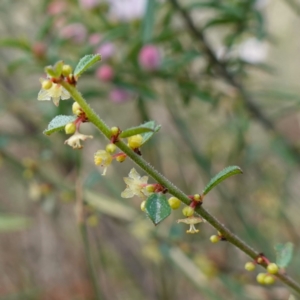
(50,71)
(147,135)
(227,172)
(13,223)
(157,208)
(137,130)
(85,63)
(59,123)
(148,21)
(284,254)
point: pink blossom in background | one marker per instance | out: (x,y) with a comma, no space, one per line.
(118,95)
(106,50)
(89,4)
(39,49)
(149,58)
(56,7)
(94,39)
(105,73)
(75,31)
(127,10)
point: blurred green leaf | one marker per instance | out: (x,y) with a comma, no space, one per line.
(157,208)
(147,127)
(58,123)
(284,254)
(13,223)
(85,63)
(147,135)
(20,44)
(225,173)
(148,21)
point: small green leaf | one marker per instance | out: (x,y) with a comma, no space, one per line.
(147,135)
(227,172)
(50,71)
(13,223)
(136,130)
(284,254)
(157,208)
(59,123)
(85,63)
(58,67)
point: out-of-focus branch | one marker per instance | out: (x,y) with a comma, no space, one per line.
(222,70)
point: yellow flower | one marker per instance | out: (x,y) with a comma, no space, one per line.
(136,185)
(55,92)
(103,158)
(191,221)
(74,140)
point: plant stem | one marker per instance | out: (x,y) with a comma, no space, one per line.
(172,189)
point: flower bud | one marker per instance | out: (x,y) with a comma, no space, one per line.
(135,141)
(272,268)
(188,211)
(111,148)
(143,206)
(114,130)
(149,58)
(150,188)
(105,73)
(67,70)
(260,278)
(174,202)
(197,197)
(269,279)
(70,128)
(214,239)
(76,109)
(47,84)
(121,158)
(250,266)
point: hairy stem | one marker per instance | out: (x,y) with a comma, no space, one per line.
(172,189)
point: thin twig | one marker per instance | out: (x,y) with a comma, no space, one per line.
(220,67)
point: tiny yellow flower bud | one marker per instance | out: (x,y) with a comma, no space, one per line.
(214,239)
(47,84)
(250,266)
(67,70)
(150,188)
(76,109)
(114,130)
(260,278)
(197,197)
(269,279)
(259,260)
(143,206)
(135,141)
(70,128)
(121,158)
(272,268)
(174,202)
(188,211)
(111,148)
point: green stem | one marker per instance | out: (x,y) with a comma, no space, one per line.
(172,189)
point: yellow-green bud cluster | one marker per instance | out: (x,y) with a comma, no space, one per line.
(250,266)
(265,278)
(76,109)
(174,202)
(111,148)
(66,70)
(135,141)
(47,84)
(188,211)
(114,130)
(70,128)
(272,268)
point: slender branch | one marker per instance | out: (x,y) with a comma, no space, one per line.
(223,72)
(172,189)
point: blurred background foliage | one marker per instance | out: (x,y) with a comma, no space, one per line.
(221,77)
